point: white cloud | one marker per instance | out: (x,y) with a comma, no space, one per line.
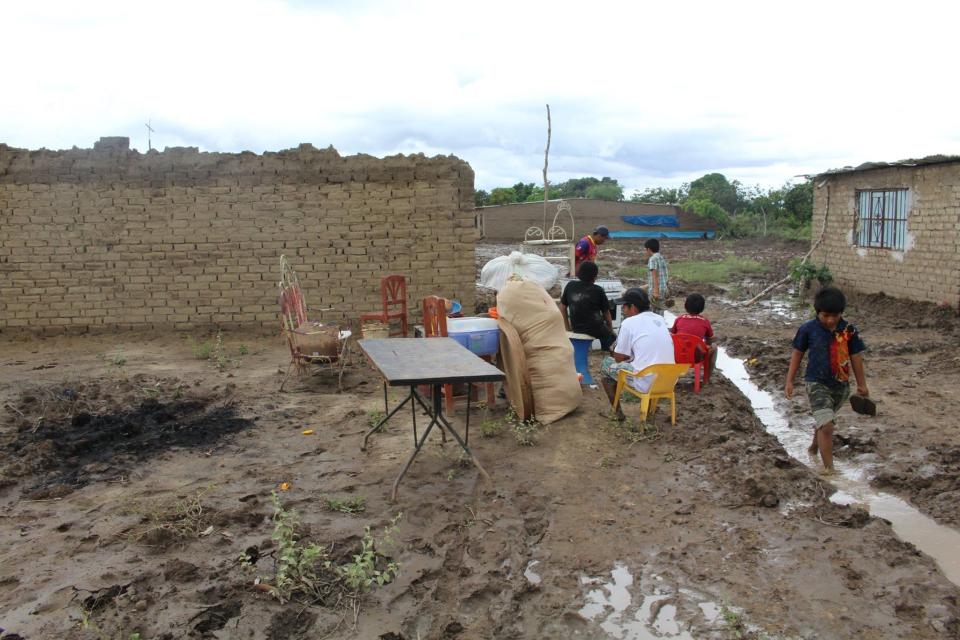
(649,93)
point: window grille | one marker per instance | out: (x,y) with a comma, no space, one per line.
(882,218)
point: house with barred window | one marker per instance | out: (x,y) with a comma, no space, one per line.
(892,228)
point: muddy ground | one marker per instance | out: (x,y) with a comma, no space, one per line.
(136,486)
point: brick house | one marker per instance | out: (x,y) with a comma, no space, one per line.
(892,228)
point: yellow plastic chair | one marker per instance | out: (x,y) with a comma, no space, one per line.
(662,387)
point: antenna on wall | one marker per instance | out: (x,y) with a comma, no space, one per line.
(149,131)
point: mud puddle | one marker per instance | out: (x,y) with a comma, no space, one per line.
(647,608)
(853,476)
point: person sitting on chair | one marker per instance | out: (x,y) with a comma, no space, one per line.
(644,340)
(585,307)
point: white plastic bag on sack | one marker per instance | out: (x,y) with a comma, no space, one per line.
(529,266)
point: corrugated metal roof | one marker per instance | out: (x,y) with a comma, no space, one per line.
(913,162)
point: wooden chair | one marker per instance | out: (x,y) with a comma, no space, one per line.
(661,388)
(306,339)
(435,326)
(685,348)
(393,296)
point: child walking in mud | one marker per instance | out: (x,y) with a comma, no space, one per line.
(833,346)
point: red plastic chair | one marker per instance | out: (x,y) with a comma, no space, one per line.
(393,295)
(685,352)
(435,326)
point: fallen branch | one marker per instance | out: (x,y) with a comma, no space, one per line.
(780,283)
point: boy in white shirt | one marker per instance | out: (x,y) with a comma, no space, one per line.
(644,339)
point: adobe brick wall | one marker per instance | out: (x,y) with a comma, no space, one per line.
(112,238)
(510,221)
(929,268)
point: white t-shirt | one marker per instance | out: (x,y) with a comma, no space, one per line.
(646,339)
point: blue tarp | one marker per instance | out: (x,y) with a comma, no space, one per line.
(652,221)
(654,233)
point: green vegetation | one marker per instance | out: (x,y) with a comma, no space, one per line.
(738,210)
(307,571)
(243,350)
(720,271)
(587,187)
(490,428)
(374,417)
(633,432)
(805,273)
(350,505)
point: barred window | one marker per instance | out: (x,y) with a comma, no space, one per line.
(882,218)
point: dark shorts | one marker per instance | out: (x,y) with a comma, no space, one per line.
(826,402)
(606,341)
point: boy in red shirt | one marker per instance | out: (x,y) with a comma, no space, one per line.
(696,325)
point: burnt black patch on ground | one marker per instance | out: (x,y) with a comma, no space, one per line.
(70,449)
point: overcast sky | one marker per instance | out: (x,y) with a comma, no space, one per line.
(650,93)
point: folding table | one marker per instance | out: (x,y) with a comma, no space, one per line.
(409,362)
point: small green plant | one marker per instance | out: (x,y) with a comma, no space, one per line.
(306,570)
(118,358)
(490,428)
(350,505)
(220,353)
(806,272)
(243,350)
(633,432)
(733,621)
(362,574)
(374,417)
(525,431)
(606,462)
(201,350)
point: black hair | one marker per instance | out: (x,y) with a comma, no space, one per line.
(829,299)
(694,303)
(588,272)
(638,298)
(653,244)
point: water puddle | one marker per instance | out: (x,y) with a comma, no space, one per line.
(852,481)
(610,602)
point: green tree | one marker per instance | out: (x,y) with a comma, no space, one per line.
(481,198)
(536,194)
(523,191)
(605,191)
(711,210)
(715,188)
(798,201)
(661,195)
(502,195)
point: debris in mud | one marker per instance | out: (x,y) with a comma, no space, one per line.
(216,617)
(87,433)
(102,597)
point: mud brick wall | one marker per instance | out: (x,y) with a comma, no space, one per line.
(108,238)
(928,269)
(511,221)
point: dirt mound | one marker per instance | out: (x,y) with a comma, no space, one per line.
(102,430)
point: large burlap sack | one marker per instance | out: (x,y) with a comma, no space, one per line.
(528,266)
(553,378)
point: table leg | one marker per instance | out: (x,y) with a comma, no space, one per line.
(382,422)
(417,445)
(466,436)
(436,418)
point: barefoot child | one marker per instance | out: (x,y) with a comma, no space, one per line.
(834,347)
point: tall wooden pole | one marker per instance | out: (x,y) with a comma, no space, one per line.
(546,185)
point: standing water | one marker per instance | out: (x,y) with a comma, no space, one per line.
(852,479)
